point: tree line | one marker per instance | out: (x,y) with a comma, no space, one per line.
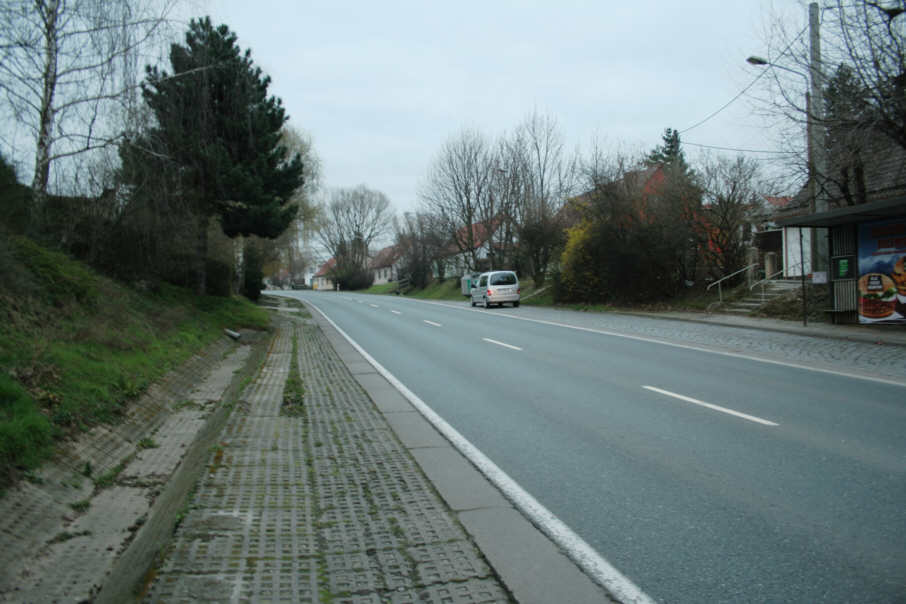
(191,171)
(605,227)
(190,174)
(603,232)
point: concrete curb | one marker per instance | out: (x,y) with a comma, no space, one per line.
(891,335)
(137,561)
(532,566)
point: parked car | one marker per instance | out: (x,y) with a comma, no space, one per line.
(496,287)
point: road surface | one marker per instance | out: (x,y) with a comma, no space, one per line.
(701,473)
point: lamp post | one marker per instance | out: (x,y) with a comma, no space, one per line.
(810,146)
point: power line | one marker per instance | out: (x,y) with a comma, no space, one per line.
(744,90)
(728,103)
(739,149)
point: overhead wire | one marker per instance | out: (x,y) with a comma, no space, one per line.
(739,150)
(734,99)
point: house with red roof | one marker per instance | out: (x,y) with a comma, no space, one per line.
(465,254)
(323,278)
(386,264)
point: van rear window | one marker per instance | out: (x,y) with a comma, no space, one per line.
(503,279)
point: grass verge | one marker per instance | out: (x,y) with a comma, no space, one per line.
(294,389)
(76,348)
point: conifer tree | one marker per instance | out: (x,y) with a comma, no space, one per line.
(670,153)
(217,128)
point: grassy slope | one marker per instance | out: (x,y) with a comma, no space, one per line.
(76,347)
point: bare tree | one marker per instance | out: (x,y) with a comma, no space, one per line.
(858,100)
(68,66)
(459,192)
(547,176)
(731,196)
(870,38)
(421,240)
(292,250)
(352,220)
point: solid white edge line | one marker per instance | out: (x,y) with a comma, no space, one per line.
(432,323)
(580,552)
(505,345)
(711,406)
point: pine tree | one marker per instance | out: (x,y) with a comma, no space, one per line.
(220,131)
(670,153)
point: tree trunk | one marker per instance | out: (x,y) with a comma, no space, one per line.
(201,254)
(45,124)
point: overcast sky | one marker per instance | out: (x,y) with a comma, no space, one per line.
(380,86)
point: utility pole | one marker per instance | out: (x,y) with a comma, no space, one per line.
(817,140)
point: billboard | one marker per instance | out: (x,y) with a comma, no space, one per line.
(882,271)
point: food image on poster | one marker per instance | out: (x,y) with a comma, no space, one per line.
(882,271)
(877,296)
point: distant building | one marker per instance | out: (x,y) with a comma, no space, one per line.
(457,260)
(386,264)
(322,279)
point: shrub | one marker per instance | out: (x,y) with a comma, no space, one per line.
(15,199)
(25,434)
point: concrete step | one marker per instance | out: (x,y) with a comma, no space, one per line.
(746,304)
(738,311)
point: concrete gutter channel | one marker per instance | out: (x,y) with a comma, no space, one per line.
(89,524)
(178,502)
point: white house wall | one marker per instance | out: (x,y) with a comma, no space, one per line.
(792,260)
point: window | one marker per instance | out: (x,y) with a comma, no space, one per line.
(503,279)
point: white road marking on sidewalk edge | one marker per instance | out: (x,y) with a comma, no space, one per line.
(577,549)
(695,401)
(501,344)
(432,323)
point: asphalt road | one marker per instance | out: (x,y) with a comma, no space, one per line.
(702,476)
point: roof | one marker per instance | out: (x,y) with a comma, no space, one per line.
(326,267)
(884,170)
(866,212)
(386,257)
(778,202)
(481,232)
(646,180)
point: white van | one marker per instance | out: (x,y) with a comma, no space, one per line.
(496,287)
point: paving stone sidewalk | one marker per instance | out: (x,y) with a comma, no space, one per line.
(321,504)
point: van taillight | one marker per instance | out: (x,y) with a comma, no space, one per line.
(489,292)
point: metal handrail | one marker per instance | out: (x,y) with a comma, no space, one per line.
(717,283)
(766,279)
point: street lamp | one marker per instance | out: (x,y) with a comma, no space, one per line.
(810,145)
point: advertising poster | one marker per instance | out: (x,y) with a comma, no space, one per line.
(882,271)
